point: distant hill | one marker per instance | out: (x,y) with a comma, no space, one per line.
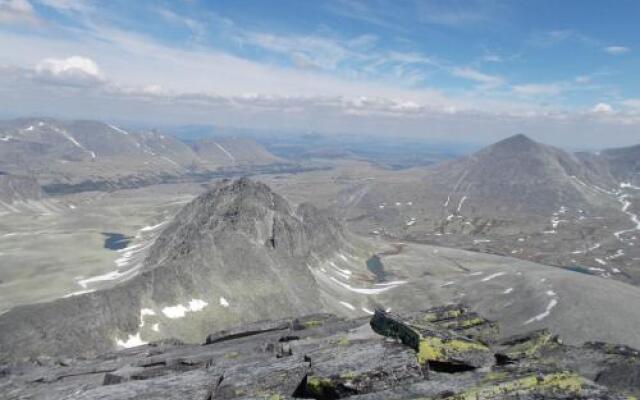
(222,152)
(103,155)
(22,194)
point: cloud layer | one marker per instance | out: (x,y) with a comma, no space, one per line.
(212,69)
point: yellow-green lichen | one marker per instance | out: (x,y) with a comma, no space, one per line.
(343,341)
(311,324)
(348,376)
(530,347)
(563,381)
(436,349)
(440,315)
(232,355)
(318,387)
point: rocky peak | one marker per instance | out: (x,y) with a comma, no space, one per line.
(245,210)
(516,144)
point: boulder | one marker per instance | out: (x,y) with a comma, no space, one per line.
(435,345)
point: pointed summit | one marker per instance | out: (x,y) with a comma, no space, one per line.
(516,143)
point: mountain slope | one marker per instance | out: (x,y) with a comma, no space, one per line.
(624,163)
(241,253)
(237,253)
(97,154)
(516,197)
(22,194)
(516,179)
(215,153)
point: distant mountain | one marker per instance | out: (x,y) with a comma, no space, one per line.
(514,179)
(223,152)
(92,153)
(516,197)
(624,163)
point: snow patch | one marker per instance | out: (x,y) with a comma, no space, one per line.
(224,302)
(363,290)
(132,341)
(493,276)
(115,128)
(149,228)
(545,314)
(231,157)
(461,203)
(179,311)
(347,305)
(366,310)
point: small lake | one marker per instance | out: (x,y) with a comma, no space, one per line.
(582,270)
(375,266)
(115,241)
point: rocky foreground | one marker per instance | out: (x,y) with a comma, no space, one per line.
(443,353)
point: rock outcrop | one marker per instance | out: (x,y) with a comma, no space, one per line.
(325,357)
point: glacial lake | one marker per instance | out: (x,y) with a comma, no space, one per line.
(115,241)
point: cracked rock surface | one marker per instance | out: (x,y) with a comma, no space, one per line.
(447,352)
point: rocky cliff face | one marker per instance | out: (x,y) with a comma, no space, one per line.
(447,352)
(237,253)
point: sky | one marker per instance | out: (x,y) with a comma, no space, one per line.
(563,72)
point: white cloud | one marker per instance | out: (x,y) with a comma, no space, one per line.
(71,71)
(556,37)
(197,29)
(632,104)
(602,108)
(457,13)
(152,81)
(16,12)
(536,89)
(616,50)
(67,5)
(477,76)
(316,51)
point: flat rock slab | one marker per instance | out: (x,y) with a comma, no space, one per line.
(343,367)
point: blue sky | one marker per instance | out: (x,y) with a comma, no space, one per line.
(563,72)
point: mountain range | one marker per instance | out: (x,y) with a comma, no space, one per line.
(64,153)
(239,253)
